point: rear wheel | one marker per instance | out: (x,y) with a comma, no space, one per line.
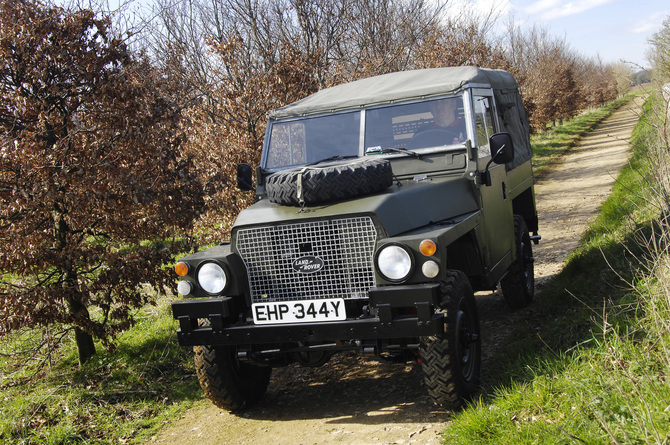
(518,286)
(451,362)
(229,383)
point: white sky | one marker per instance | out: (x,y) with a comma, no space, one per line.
(615,30)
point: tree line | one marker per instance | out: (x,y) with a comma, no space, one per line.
(243,58)
(120,137)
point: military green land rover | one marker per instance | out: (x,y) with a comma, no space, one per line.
(383,204)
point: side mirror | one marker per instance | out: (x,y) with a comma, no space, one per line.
(502,152)
(244,179)
(502,148)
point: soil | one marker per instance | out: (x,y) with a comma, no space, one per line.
(355,399)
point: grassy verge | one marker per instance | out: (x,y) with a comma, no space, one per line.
(124,396)
(596,371)
(550,145)
(127,395)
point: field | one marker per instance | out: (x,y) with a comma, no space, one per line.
(596,373)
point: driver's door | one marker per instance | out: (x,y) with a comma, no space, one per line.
(496,207)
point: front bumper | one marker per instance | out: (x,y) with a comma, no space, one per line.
(222,330)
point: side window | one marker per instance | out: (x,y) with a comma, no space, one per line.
(484,123)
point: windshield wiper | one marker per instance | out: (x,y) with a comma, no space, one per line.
(333,158)
(400,150)
(372,151)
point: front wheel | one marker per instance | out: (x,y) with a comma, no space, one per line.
(229,383)
(451,362)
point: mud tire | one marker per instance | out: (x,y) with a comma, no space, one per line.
(452,362)
(518,286)
(330,182)
(230,384)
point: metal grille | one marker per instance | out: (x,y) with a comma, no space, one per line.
(345,246)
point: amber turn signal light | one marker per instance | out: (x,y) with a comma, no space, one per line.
(428,247)
(181,268)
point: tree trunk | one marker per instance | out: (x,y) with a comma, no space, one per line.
(83,340)
(85,345)
(79,311)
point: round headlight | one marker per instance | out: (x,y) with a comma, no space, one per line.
(212,278)
(184,288)
(430,269)
(394,262)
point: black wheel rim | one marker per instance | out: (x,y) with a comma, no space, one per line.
(527,264)
(466,337)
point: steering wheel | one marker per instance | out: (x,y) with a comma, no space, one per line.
(433,137)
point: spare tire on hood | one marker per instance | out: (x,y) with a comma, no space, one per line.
(329,182)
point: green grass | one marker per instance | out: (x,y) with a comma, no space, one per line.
(122,396)
(127,395)
(596,372)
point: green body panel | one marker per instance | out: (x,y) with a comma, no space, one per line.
(519,180)
(401,208)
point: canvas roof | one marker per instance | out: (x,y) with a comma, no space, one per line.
(394,87)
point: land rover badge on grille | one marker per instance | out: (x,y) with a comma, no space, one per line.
(308,264)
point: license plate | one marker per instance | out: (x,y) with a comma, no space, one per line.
(303,311)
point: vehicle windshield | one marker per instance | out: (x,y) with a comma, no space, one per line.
(413,126)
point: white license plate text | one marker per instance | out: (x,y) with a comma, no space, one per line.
(303,311)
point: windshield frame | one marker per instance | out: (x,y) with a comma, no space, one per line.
(464,95)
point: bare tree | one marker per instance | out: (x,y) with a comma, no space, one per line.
(545,68)
(659,54)
(600,83)
(463,39)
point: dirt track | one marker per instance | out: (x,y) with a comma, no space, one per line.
(356,400)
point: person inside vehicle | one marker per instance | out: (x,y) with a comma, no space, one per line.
(448,127)
(445,113)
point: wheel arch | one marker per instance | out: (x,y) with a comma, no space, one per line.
(524,205)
